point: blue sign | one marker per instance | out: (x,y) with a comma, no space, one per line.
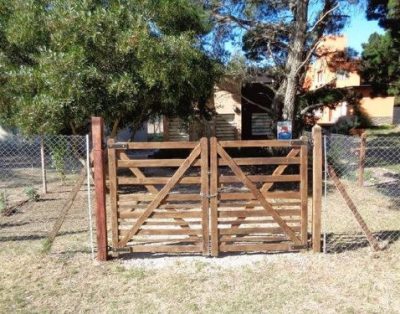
(284,130)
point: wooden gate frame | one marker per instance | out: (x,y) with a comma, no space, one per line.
(217,148)
(199,151)
(209,201)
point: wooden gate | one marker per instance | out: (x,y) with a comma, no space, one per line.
(165,205)
(160,208)
(249,218)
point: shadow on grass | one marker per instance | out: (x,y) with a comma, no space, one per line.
(344,242)
(36,236)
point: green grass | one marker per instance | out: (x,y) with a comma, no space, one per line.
(384,130)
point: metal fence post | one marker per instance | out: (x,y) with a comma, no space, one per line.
(325,209)
(100,188)
(317,188)
(89,196)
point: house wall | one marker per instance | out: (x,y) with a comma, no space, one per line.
(225,125)
(226,103)
(378,109)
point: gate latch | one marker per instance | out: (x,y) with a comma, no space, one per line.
(209,196)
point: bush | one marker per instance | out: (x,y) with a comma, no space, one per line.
(3,201)
(32,194)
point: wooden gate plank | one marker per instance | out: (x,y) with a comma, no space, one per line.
(258,194)
(112,173)
(214,196)
(162,194)
(204,193)
(304,190)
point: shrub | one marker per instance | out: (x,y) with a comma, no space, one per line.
(32,194)
(3,201)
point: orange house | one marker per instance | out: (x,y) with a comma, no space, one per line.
(334,69)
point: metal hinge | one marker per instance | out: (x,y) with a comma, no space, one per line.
(118,146)
(297,142)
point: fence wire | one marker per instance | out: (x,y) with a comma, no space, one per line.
(37,175)
(370,173)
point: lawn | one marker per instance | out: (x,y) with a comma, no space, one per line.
(68,280)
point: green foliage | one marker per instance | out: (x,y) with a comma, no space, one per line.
(380,57)
(127,60)
(3,201)
(331,97)
(32,194)
(58,151)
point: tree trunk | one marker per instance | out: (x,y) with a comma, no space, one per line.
(295,57)
(115,128)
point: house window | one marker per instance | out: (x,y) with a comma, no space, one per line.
(341,75)
(261,124)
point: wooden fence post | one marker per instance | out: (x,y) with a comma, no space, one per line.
(317,188)
(363,145)
(43,164)
(304,189)
(100,188)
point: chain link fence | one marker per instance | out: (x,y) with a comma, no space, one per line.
(369,170)
(37,175)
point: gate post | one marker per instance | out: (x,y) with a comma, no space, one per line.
(317,188)
(361,162)
(100,188)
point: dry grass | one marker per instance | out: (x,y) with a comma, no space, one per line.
(67,280)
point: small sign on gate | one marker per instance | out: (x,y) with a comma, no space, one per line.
(284,130)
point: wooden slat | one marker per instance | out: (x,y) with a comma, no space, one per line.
(142,205)
(162,215)
(304,190)
(166,248)
(204,194)
(156,180)
(214,196)
(226,231)
(272,238)
(144,163)
(262,161)
(149,197)
(262,178)
(258,213)
(224,205)
(162,194)
(124,233)
(255,247)
(168,240)
(251,196)
(261,143)
(112,173)
(155,163)
(149,222)
(161,145)
(255,221)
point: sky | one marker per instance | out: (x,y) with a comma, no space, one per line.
(359,30)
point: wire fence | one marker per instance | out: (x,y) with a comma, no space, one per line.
(369,170)
(37,175)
